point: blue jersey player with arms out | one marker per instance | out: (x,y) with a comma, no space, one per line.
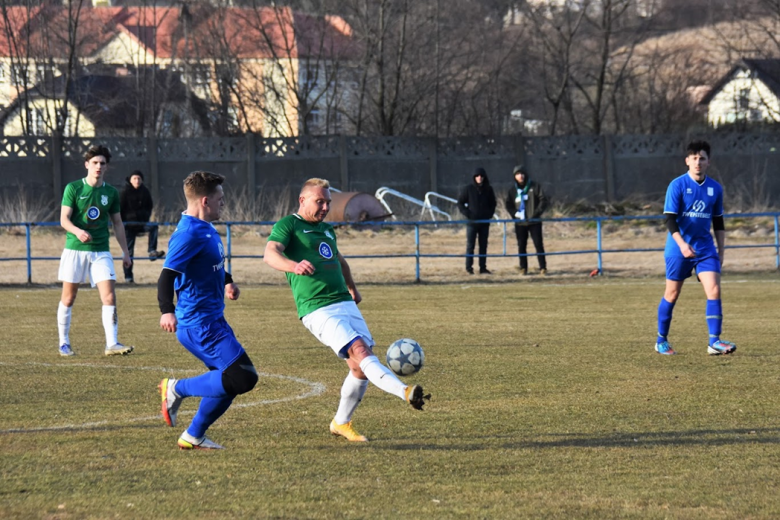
(694,203)
(195,270)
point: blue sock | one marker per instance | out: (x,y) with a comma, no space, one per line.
(665,309)
(205,385)
(714,319)
(209,411)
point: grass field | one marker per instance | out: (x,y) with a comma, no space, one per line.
(548,402)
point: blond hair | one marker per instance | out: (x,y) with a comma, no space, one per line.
(315,183)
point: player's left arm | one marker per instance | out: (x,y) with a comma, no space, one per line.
(720,236)
(231,289)
(119,232)
(347,272)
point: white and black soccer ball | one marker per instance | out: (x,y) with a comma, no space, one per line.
(405,357)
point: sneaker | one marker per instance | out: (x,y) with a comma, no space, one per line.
(543,271)
(523,271)
(414,396)
(470,271)
(170,400)
(721,347)
(665,348)
(118,350)
(154,255)
(129,280)
(66,351)
(188,442)
(485,271)
(346,431)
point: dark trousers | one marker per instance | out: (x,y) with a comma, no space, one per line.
(134,230)
(477,233)
(522,232)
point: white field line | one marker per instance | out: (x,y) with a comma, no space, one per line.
(314,389)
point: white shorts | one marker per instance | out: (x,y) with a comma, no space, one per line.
(337,326)
(78,266)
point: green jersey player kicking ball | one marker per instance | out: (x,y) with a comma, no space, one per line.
(304,247)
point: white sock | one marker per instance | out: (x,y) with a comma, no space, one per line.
(352,392)
(110,324)
(382,377)
(63,323)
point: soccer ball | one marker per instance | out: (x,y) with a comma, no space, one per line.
(405,357)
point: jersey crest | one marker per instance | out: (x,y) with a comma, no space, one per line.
(325,251)
(104,200)
(329,235)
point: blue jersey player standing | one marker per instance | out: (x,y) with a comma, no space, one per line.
(694,203)
(195,270)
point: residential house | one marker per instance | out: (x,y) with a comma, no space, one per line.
(100,105)
(269,70)
(749,93)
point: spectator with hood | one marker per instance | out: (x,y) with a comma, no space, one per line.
(136,208)
(477,202)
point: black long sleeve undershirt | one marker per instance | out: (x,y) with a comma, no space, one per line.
(165,290)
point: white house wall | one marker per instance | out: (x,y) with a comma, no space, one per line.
(724,107)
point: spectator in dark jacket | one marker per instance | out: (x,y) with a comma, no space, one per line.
(477,201)
(526,202)
(136,206)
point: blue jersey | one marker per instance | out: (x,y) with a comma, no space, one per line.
(695,205)
(195,252)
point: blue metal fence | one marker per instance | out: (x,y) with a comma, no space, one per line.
(416,225)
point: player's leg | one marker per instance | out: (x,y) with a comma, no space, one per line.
(471,239)
(217,346)
(710,282)
(102,276)
(536,235)
(72,272)
(482,237)
(352,391)
(130,234)
(677,270)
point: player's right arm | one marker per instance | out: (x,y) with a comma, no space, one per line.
(165,292)
(65,213)
(274,257)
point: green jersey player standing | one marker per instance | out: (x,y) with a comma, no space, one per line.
(304,247)
(88,205)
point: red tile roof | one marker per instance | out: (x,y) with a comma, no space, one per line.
(176,32)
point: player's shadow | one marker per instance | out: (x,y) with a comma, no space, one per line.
(614,440)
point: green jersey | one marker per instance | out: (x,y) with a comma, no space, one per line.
(92,210)
(315,242)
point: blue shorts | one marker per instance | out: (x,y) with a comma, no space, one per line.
(213,343)
(679,268)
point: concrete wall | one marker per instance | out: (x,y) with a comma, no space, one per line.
(591,168)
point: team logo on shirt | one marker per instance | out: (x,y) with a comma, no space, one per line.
(325,251)
(93,213)
(104,200)
(710,192)
(327,234)
(697,210)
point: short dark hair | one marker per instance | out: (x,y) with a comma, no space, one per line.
(201,184)
(694,147)
(96,150)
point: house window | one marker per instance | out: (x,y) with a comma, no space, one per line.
(19,75)
(311,76)
(756,115)
(743,101)
(36,122)
(201,75)
(313,117)
(3,73)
